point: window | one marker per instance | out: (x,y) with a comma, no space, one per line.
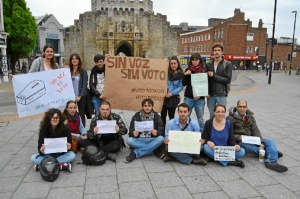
(247,49)
(208,37)
(204,48)
(208,48)
(218,34)
(182,40)
(250,49)
(205,37)
(215,34)
(222,33)
(201,37)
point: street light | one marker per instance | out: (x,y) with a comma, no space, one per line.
(293,42)
(272,47)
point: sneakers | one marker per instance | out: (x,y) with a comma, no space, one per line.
(280,154)
(111,156)
(158,153)
(237,163)
(65,167)
(199,161)
(131,157)
(276,167)
(36,167)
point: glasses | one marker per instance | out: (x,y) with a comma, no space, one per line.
(54,118)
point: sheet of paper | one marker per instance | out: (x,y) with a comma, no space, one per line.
(224,153)
(199,84)
(251,139)
(143,126)
(55,145)
(184,142)
(106,126)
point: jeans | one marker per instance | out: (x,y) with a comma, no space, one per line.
(211,153)
(270,148)
(212,101)
(199,108)
(66,157)
(144,146)
(96,102)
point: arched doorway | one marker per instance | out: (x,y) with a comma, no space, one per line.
(124,49)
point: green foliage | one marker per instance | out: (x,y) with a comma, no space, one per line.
(22,29)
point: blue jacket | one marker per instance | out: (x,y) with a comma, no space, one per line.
(175,86)
(174,125)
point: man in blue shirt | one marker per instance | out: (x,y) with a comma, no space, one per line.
(183,123)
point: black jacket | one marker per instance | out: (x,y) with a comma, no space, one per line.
(158,124)
(93,80)
(218,82)
(186,81)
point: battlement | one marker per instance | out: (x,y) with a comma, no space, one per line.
(110,5)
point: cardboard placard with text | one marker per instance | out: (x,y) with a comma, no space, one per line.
(129,80)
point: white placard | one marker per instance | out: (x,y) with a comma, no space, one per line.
(184,142)
(143,126)
(224,153)
(38,92)
(199,84)
(106,126)
(251,139)
(55,145)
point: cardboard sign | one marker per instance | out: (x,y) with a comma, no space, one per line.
(199,84)
(224,153)
(251,139)
(129,80)
(38,92)
(184,142)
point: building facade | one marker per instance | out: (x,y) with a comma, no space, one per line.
(115,27)
(3,46)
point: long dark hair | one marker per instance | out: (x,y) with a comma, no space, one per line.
(45,125)
(66,113)
(52,61)
(179,66)
(79,67)
(195,56)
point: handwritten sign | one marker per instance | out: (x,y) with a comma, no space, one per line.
(184,142)
(143,126)
(135,79)
(251,139)
(224,153)
(106,126)
(199,84)
(55,145)
(38,92)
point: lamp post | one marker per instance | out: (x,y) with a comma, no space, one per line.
(293,42)
(272,48)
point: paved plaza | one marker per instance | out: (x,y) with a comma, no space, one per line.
(276,107)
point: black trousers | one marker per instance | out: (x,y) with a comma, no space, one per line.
(81,109)
(169,111)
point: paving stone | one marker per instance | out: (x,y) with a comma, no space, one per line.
(33,190)
(292,182)
(6,195)
(257,178)
(166,179)
(110,195)
(178,192)
(101,185)
(214,194)
(67,179)
(13,170)
(9,184)
(66,192)
(154,164)
(276,191)
(132,175)
(141,189)
(220,173)
(191,170)
(198,184)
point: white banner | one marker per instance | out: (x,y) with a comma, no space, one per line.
(199,84)
(184,142)
(38,92)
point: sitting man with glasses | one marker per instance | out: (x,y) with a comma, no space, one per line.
(244,123)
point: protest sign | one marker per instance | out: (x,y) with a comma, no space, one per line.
(184,142)
(129,80)
(224,153)
(199,84)
(38,92)
(251,139)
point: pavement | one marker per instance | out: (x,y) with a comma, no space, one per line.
(276,108)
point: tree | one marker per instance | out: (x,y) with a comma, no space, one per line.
(22,29)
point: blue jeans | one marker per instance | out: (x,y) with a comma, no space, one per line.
(270,148)
(212,101)
(199,108)
(66,157)
(145,146)
(211,153)
(96,102)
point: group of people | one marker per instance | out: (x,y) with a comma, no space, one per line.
(217,131)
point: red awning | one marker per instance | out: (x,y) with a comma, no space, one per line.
(236,57)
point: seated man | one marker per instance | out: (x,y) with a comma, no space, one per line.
(184,123)
(244,123)
(110,143)
(147,142)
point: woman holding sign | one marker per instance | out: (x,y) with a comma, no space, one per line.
(219,132)
(172,98)
(198,102)
(52,126)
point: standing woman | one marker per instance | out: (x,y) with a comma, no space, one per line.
(52,126)
(172,98)
(79,80)
(219,132)
(197,102)
(47,62)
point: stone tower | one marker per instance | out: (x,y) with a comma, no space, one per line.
(117,27)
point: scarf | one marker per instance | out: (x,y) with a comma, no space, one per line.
(172,77)
(197,69)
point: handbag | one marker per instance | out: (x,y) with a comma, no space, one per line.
(172,101)
(74,146)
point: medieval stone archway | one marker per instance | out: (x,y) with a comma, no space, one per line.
(124,48)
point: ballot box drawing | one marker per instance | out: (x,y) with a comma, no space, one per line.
(34,90)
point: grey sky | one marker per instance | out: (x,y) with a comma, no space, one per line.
(195,12)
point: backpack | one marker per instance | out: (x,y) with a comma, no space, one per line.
(228,85)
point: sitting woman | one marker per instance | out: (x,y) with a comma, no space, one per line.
(52,126)
(75,124)
(219,132)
